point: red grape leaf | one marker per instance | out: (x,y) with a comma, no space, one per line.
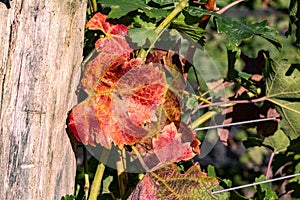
(123,97)
(141,91)
(168,183)
(170,147)
(92,121)
(114,41)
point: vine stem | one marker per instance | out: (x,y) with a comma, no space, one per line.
(98,176)
(224,9)
(122,175)
(86,173)
(163,26)
(208,115)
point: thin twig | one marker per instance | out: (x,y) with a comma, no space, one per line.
(257,183)
(268,174)
(122,175)
(208,115)
(95,7)
(224,9)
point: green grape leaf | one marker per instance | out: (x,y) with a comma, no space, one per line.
(278,142)
(168,183)
(193,32)
(120,8)
(145,31)
(236,31)
(165,2)
(211,171)
(284,92)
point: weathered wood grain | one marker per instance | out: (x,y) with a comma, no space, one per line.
(40,54)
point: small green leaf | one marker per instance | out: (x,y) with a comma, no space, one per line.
(120,8)
(142,31)
(264,191)
(211,171)
(278,142)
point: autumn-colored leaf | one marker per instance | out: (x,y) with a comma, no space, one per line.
(140,92)
(91,121)
(168,146)
(172,144)
(168,183)
(114,41)
(132,104)
(127,102)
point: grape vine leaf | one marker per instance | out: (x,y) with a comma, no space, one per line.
(284,92)
(168,183)
(91,121)
(193,32)
(168,146)
(172,144)
(140,92)
(278,142)
(114,41)
(142,31)
(236,31)
(120,8)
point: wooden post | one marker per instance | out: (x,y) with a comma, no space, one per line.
(40,54)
